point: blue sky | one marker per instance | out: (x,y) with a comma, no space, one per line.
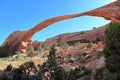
(24,14)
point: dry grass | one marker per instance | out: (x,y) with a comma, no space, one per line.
(17,60)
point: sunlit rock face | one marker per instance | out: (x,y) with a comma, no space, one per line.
(17,40)
(94,35)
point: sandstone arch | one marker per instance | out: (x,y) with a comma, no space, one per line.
(19,40)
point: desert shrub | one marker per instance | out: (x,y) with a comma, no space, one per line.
(22,73)
(72,48)
(18,74)
(41,49)
(27,67)
(16,57)
(51,63)
(64,46)
(110,76)
(112,52)
(73,74)
(31,49)
(89,45)
(99,55)
(51,66)
(30,54)
(87,77)
(82,32)
(59,74)
(78,73)
(97,40)
(9,67)
(4,51)
(94,28)
(4,77)
(77,43)
(47,47)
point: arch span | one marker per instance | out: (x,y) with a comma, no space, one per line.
(19,40)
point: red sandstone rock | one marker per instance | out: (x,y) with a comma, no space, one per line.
(66,53)
(19,40)
(82,46)
(98,65)
(36,45)
(70,38)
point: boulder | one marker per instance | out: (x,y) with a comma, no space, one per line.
(98,65)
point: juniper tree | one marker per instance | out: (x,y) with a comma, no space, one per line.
(112,52)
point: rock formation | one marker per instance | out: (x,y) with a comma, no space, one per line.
(96,67)
(84,36)
(19,40)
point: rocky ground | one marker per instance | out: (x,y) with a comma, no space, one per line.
(88,55)
(80,49)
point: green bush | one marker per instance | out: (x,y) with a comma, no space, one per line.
(112,52)
(87,77)
(47,47)
(41,49)
(27,67)
(79,73)
(17,57)
(18,74)
(22,73)
(59,73)
(89,45)
(64,46)
(51,63)
(9,67)
(4,51)
(98,56)
(110,76)
(82,32)
(4,77)
(30,54)
(32,49)
(77,43)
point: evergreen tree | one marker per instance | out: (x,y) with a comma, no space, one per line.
(112,52)
(51,66)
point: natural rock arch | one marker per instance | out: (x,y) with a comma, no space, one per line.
(19,40)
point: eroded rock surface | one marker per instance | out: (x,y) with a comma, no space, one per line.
(98,65)
(17,41)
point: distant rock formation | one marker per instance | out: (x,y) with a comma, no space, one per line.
(84,36)
(19,40)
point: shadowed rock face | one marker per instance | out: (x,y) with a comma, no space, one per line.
(19,40)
